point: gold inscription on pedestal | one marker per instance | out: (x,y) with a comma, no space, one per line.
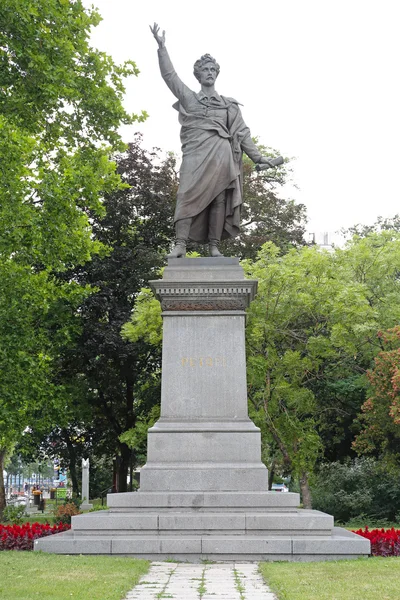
(203,361)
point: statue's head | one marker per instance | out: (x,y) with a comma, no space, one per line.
(199,64)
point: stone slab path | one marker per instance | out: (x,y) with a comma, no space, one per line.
(183,581)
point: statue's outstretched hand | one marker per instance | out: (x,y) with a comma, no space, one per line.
(160,38)
(269,163)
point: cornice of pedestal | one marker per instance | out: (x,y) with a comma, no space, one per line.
(204,295)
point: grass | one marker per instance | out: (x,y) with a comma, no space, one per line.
(377,524)
(202,585)
(37,575)
(363,579)
(238,584)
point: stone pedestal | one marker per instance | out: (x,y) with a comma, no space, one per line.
(203,491)
(204,440)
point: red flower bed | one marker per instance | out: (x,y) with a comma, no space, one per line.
(21,537)
(384,542)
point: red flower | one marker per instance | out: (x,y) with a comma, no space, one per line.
(21,537)
(383,542)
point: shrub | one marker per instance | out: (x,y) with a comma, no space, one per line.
(362,488)
(14,514)
(64,512)
(21,537)
(97,507)
(384,542)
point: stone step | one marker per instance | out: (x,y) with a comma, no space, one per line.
(340,545)
(278,523)
(203,500)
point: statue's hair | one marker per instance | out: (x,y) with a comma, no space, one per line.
(202,61)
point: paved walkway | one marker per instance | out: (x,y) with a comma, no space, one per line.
(183,581)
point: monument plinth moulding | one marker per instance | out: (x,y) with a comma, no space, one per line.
(203,492)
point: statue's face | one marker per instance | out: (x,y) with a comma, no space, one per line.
(208,74)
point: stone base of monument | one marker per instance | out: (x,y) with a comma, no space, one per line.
(203,489)
(219,526)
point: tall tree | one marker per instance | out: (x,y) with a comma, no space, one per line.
(120,378)
(303,326)
(372,261)
(60,109)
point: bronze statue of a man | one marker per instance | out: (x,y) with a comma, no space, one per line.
(213,137)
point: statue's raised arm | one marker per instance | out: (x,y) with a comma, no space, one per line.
(168,73)
(160,39)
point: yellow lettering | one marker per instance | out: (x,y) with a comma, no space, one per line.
(184,362)
(209,361)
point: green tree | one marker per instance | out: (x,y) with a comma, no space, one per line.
(60,109)
(372,261)
(108,381)
(308,318)
(381,224)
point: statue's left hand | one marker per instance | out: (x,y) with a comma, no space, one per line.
(266,161)
(269,163)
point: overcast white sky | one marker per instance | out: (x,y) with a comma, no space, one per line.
(318,80)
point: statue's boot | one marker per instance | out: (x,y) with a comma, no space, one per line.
(216,220)
(213,248)
(182,229)
(179,250)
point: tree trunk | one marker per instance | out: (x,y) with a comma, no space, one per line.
(271,473)
(2,488)
(123,468)
(305,490)
(72,464)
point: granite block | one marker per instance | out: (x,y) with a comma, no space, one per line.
(339,543)
(70,545)
(204,368)
(238,545)
(114,521)
(136,545)
(204,500)
(199,446)
(206,478)
(252,499)
(180,545)
(202,521)
(300,520)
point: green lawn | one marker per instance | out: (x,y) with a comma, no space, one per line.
(34,575)
(362,579)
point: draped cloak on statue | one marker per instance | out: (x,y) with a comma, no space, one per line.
(213,137)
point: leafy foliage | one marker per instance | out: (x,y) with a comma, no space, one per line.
(381,224)
(64,512)
(107,381)
(307,319)
(14,514)
(380,417)
(361,488)
(136,438)
(60,109)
